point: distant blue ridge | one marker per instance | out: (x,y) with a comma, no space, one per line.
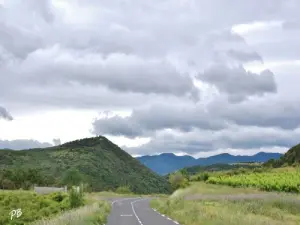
(168,162)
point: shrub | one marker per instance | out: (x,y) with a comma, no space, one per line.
(203,177)
(123,190)
(76,197)
(33,206)
(58,196)
(178,180)
(72,177)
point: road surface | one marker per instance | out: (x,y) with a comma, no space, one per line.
(136,211)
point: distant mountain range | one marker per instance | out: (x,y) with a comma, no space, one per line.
(168,162)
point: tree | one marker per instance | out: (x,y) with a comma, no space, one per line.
(123,190)
(72,177)
(178,180)
(185,173)
(76,196)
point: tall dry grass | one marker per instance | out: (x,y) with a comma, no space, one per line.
(96,213)
(282,210)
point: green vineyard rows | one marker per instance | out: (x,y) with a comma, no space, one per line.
(268,181)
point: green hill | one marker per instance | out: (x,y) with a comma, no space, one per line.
(290,158)
(101,163)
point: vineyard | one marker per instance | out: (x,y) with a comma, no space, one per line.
(283,181)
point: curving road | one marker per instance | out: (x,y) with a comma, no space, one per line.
(136,211)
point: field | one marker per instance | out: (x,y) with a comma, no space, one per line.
(217,205)
(275,180)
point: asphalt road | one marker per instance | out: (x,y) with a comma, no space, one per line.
(136,211)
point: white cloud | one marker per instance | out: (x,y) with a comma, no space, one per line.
(46,125)
(244,29)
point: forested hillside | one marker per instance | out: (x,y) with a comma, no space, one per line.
(101,164)
(290,158)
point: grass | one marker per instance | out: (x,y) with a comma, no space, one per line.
(265,211)
(246,212)
(203,188)
(93,214)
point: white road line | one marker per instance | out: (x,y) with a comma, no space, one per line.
(174,221)
(138,219)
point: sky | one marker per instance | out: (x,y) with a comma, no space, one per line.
(192,77)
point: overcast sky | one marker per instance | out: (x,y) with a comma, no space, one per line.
(191,77)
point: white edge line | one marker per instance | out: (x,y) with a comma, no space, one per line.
(138,219)
(174,221)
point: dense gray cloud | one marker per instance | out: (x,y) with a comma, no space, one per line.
(147,120)
(239,83)
(117,126)
(18,26)
(119,72)
(22,144)
(8,38)
(5,114)
(56,50)
(97,98)
(291,25)
(235,137)
(272,112)
(244,56)
(144,56)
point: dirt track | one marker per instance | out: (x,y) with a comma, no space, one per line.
(265,196)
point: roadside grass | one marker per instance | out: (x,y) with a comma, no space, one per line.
(283,209)
(246,212)
(207,189)
(92,214)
